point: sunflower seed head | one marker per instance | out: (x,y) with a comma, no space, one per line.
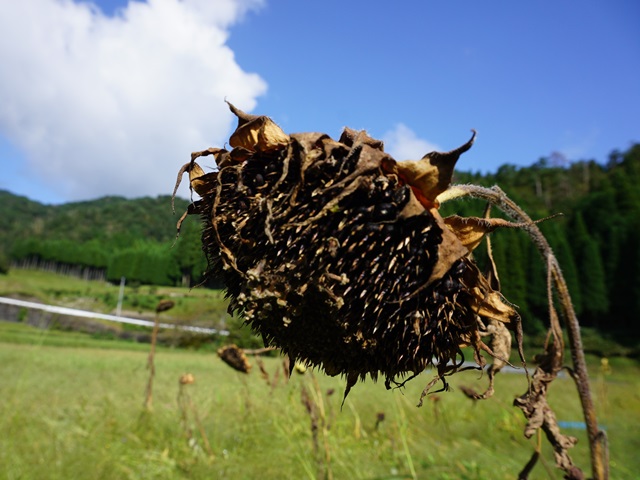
(330,255)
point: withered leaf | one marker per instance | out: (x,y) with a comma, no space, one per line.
(471,230)
(450,250)
(500,335)
(486,301)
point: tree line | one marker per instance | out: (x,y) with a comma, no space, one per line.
(104,239)
(597,240)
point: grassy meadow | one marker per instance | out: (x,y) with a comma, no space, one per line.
(72,407)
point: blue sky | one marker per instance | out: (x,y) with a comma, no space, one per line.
(110,99)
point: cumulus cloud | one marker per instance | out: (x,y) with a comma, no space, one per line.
(403,144)
(113,105)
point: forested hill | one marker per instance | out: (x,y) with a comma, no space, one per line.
(597,241)
(112,219)
(105,238)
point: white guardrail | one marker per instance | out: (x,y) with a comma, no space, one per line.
(103,316)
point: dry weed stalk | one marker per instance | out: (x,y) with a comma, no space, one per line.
(320,424)
(187,406)
(337,254)
(163,306)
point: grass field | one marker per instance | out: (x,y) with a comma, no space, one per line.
(72,407)
(72,410)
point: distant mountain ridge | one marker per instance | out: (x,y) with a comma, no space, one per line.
(108,218)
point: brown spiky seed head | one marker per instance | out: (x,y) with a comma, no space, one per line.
(337,254)
(235,357)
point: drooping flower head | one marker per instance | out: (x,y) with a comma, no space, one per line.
(337,254)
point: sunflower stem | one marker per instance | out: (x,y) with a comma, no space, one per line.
(597,438)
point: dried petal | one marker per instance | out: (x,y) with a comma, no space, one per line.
(431,175)
(187,379)
(164,305)
(450,249)
(195,179)
(472,230)
(257,133)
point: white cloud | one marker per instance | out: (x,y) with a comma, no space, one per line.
(114,105)
(403,144)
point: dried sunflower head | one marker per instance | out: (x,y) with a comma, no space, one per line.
(235,357)
(187,379)
(337,254)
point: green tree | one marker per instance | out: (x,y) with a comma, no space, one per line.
(188,254)
(4,263)
(557,238)
(536,291)
(625,291)
(593,288)
(510,258)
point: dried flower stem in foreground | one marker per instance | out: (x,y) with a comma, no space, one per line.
(534,403)
(162,306)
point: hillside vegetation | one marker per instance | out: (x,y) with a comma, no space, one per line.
(597,240)
(108,238)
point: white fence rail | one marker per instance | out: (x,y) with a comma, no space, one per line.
(103,316)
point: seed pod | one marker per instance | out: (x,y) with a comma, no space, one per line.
(187,379)
(164,305)
(235,357)
(337,254)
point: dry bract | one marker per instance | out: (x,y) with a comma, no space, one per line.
(337,254)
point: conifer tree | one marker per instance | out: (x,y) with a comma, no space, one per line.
(561,246)
(536,291)
(593,289)
(510,257)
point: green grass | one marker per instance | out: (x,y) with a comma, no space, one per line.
(72,408)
